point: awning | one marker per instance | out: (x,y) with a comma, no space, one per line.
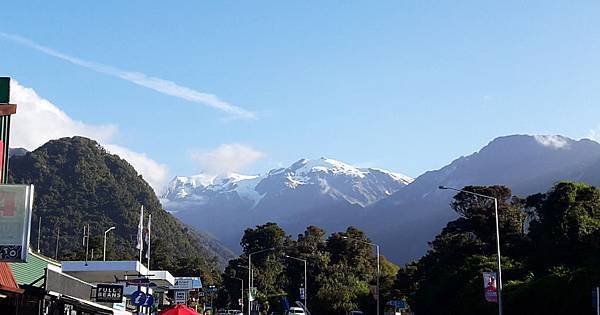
(7,280)
(94,307)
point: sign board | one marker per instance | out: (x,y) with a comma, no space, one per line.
(181,297)
(186,283)
(4,90)
(212,289)
(138,298)
(149,300)
(183,284)
(302,294)
(16,202)
(398,304)
(111,293)
(252,293)
(489,287)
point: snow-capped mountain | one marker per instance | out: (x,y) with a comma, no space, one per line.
(225,205)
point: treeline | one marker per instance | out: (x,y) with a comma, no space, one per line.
(550,246)
(341,270)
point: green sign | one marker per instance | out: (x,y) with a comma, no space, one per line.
(4,90)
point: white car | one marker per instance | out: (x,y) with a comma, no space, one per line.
(355,313)
(295,311)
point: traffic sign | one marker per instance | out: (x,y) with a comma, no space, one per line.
(181,297)
(397,304)
(138,298)
(149,300)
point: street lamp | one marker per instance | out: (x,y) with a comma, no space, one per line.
(497,239)
(305,282)
(249,269)
(104,251)
(378,269)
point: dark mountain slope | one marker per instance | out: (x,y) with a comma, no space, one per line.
(77,183)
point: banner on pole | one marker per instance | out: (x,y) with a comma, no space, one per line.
(489,287)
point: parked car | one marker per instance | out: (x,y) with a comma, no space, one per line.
(295,311)
(234,312)
(355,313)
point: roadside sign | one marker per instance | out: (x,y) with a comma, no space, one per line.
(212,289)
(398,304)
(252,293)
(149,300)
(183,284)
(111,293)
(302,293)
(181,297)
(15,220)
(138,298)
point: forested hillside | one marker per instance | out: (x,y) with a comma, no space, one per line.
(77,183)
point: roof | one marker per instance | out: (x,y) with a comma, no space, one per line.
(7,279)
(33,269)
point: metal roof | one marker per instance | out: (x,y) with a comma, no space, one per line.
(7,280)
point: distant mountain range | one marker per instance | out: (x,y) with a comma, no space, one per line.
(395,211)
(307,192)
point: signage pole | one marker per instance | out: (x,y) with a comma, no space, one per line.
(57,238)
(597,300)
(39,233)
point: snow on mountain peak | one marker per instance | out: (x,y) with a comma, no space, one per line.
(328,166)
(340,180)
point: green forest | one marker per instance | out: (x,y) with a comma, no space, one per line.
(550,257)
(77,182)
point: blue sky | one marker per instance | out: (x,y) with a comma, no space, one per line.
(406,86)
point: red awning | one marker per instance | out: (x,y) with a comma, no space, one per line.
(7,280)
(179,309)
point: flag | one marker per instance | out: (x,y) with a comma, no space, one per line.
(147,238)
(140,239)
(489,287)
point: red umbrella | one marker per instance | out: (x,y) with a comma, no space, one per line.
(179,309)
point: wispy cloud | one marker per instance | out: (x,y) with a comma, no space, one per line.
(157,84)
(594,134)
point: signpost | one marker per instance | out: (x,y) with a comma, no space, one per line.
(138,298)
(111,293)
(181,297)
(15,221)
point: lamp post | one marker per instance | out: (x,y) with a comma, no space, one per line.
(249,269)
(104,251)
(378,269)
(498,259)
(305,281)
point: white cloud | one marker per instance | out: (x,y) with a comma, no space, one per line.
(594,134)
(227,158)
(556,142)
(154,173)
(157,84)
(38,120)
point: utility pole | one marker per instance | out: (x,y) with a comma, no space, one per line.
(39,234)
(57,238)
